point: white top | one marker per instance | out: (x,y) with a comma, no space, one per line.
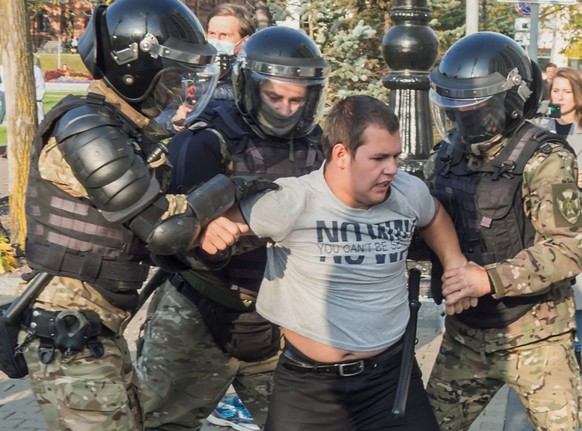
(337,274)
(2,78)
(39,84)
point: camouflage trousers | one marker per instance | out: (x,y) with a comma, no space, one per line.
(182,374)
(545,376)
(84,393)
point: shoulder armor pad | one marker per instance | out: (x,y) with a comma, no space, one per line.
(83,118)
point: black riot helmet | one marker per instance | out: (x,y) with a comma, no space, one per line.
(280,82)
(485,86)
(152,53)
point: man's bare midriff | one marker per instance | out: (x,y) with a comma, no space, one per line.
(322,352)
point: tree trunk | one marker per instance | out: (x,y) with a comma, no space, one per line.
(16,50)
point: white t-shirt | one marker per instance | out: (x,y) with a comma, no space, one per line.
(336,274)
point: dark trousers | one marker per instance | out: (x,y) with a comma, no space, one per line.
(310,401)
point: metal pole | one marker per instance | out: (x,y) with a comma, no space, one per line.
(410,49)
(534,30)
(472,17)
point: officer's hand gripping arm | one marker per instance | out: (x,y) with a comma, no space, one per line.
(180,233)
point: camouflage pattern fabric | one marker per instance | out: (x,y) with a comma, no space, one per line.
(544,375)
(534,354)
(81,392)
(557,250)
(183,375)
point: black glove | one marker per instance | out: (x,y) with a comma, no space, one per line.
(170,263)
(247,186)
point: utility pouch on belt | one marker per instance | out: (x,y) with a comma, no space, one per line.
(12,361)
(69,330)
(243,335)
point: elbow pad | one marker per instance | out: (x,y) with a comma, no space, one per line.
(179,233)
(209,201)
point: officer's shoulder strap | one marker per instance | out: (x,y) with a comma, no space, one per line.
(448,156)
(524,143)
(225,154)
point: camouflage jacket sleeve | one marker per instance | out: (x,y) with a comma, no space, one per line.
(552,203)
(52,168)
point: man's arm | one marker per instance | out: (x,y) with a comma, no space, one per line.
(441,237)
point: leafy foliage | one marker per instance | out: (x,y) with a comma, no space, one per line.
(449,19)
(569,18)
(8,261)
(349,34)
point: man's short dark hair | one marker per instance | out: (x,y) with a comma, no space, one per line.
(247,25)
(348,119)
(549,65)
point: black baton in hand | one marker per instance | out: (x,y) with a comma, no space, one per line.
(34,288)
(408,343)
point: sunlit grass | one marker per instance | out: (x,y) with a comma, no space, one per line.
(50,99)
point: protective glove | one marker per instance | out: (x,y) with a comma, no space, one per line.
(248,186)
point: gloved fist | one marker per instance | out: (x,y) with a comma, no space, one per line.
(247,186)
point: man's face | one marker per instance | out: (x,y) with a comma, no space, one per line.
(284,97)
(550,72)
(226,28)
(373,168)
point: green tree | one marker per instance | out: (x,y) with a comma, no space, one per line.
(448,21)
(349,34)
(569,19)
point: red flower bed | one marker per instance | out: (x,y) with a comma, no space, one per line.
(66,75)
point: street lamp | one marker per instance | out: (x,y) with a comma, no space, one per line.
(410,49)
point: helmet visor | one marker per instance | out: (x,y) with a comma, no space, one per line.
(475,119)
(285,107)
(190,89)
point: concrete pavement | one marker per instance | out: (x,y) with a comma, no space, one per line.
(19,411)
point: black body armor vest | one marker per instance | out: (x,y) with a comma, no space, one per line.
(68,236)
(486,207)
(269,158)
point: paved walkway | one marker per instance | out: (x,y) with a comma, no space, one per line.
(19,411)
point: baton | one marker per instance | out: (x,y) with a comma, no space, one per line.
(34,288)
(408,343)
(153,283)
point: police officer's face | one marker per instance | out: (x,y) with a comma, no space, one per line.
(284,97)
(373,168)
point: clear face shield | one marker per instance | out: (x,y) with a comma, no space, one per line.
(476,119)
(288,107)
(185,90)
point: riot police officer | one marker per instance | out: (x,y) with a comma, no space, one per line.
(97,207)
(510,188)
(186,364)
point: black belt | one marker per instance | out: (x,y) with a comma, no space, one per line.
(343,369)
